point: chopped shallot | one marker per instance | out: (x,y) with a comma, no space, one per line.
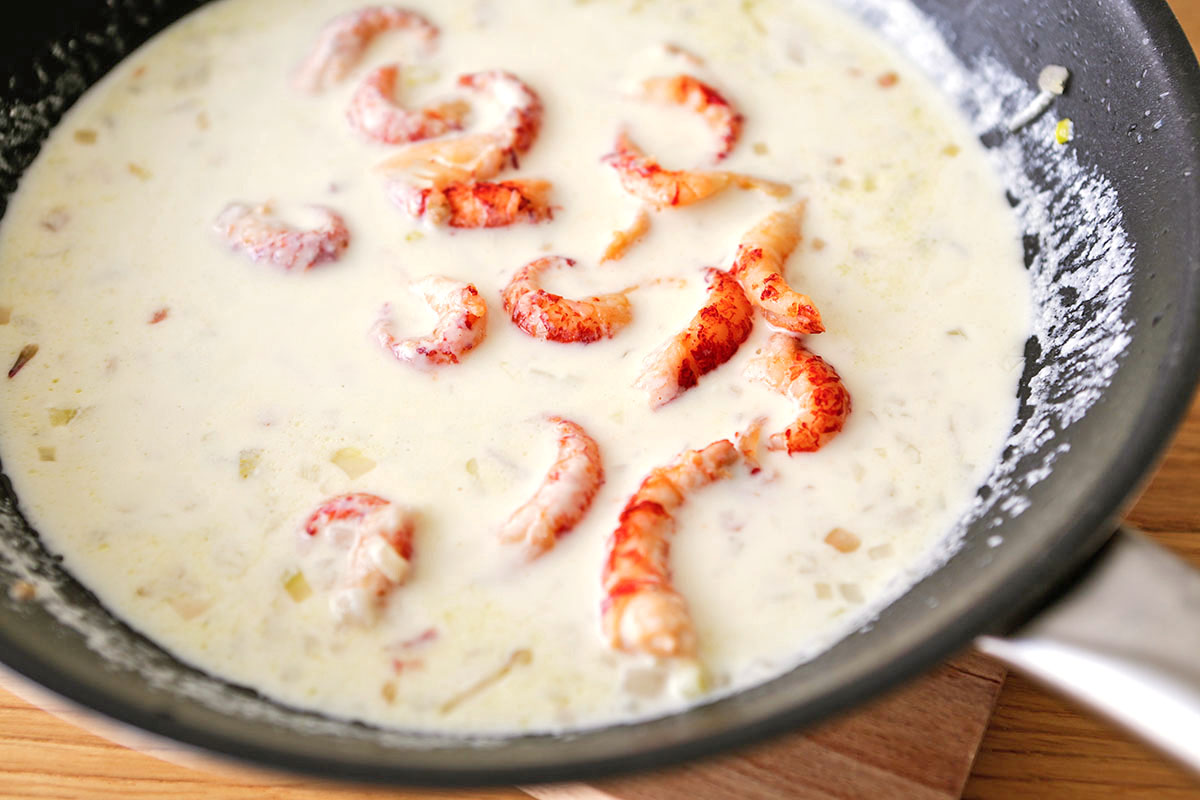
(842,540)
(518,658)
(351,461)
(296,585)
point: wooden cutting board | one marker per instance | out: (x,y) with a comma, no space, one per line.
(918,744)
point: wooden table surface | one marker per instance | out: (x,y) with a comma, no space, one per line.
(1037,746)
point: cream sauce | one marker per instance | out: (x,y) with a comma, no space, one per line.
(172,464)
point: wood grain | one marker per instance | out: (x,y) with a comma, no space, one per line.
(872,753)
(1038,746)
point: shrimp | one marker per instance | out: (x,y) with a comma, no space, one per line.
(475,156)
(524,111)
(476,204)
(344,39)
(374,113)
(697,96)
(552,317)
(759,268)
(642,177)
(483,155)
(625,239)
(461,325)
(816,388)
(710,339)
(564,496)
(641,610)
(379,536)
(255,231)
(748,441)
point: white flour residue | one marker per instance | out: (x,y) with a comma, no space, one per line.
(1079,256)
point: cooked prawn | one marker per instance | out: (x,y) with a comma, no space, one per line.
(624,239)
(374,112)
(378,535)
(440,162)
(255,231)
(544,315)
(344,39)
(758,266)
(476,204)
(523,108)
(697,96)
(641,610)
(564,496)
(816,388)
(461,324)
(478,156)
(748,442)
(644,178)
(710,339)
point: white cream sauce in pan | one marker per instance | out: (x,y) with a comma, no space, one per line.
(172,464)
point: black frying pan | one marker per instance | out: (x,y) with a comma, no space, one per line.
(1128,58)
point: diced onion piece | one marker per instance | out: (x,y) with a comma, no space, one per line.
(296,585)
(851,592)
(882,551)
(388,691)
(643,681)
(62,416)
(47,454)
(688,679)
(1053,79)
(351,461)
(5,315)
(824,590)
(842,540)
(521,657)
(248,461)
(416,75)
(189,606)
